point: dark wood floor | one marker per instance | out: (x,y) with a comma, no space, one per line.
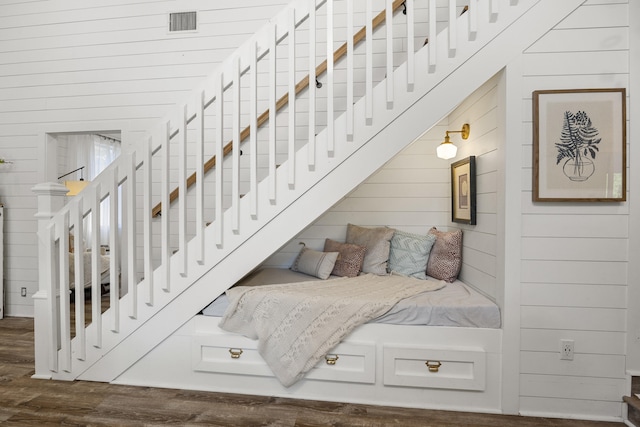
(28,402)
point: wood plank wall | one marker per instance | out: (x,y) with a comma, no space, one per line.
(574,255)
(70,65)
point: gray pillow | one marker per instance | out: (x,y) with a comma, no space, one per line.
(315,263)
(377,240)
(409,253)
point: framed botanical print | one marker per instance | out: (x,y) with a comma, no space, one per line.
(579,145)
(463,191)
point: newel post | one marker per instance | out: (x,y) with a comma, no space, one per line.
(51,198)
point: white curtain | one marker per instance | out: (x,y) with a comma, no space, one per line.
(95,153)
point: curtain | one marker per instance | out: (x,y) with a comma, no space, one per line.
(95,153)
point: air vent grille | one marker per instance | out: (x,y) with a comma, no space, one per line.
(183,21)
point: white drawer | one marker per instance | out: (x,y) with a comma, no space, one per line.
(459,369)
(227,354)
(348,362)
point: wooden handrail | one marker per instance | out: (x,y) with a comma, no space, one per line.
(282,102)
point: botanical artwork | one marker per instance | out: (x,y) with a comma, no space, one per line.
(579,145)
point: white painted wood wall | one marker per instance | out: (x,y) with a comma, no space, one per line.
(108,70)
(104,65)
(575,256)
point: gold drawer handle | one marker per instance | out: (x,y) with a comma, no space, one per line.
(235,353)
(433,365)
(331,359)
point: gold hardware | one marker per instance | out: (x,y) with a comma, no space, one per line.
(235,353)
(433,365)
(331,359)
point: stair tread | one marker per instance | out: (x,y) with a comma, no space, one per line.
(632,401)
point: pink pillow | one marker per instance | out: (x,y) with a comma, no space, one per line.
(350,258)
(445,259)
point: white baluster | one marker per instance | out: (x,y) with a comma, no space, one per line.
(312,80)
(219,92)
(330,76)
(473,19)
(96,285)
(65,315)
(235,148)
(389,39)
(411,72)
(146,220)
(114,245)
(369,65)
(433,51)
(349,70)
(182,192)
(253,129)
(54,338)
(132,282)
(292,98)
(78,249)
(166,209)
(453,29)
(199,119)
(272,112)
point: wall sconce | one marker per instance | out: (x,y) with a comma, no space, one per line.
(75,186)
(446,150)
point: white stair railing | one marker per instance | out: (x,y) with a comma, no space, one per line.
(247,82)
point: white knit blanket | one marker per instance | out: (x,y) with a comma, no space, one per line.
(298,323)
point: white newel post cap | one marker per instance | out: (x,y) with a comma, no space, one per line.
(51,198)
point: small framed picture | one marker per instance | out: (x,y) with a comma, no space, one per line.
(463,191)
(579,145)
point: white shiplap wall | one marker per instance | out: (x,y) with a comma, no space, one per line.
(70,65)
(574,255)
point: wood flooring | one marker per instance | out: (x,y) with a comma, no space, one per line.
(29,402)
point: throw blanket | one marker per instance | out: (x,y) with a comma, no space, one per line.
(298,323)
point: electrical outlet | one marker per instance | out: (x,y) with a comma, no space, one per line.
(566,349)
(23,292)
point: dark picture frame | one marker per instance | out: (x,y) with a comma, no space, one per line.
(579,145)
(463,191)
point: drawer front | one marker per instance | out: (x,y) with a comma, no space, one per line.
(228,355)
(348,362)
(459,369)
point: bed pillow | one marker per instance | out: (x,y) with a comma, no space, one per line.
(409,253)
(349,262)
(378,243)
(315,263)
(445,259)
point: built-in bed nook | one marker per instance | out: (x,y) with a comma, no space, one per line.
(379,318)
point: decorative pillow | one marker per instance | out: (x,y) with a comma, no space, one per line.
(445,259)
(378,243)
(349,262)
(409,253)
(315,263)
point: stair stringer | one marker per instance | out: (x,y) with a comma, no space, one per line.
(434,96)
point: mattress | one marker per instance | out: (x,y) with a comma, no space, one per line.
(456,304)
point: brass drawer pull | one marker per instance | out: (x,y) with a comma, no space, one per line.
(433,365)
(331,359)
(235,353)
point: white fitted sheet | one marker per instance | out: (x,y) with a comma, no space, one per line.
(456,304)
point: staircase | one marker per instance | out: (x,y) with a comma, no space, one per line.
(287,175)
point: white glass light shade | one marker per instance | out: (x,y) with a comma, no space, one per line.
(446,150)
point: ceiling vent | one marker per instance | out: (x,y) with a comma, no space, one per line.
(183,21)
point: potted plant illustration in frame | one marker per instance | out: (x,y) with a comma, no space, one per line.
(579,145)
